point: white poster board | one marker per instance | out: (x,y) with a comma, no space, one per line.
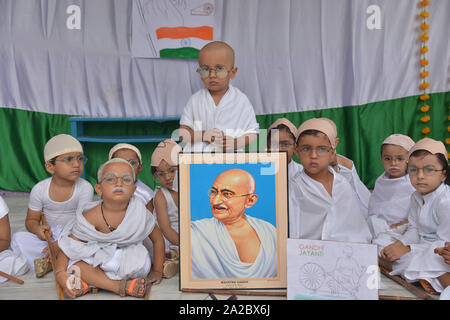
(331,270)
(171,28)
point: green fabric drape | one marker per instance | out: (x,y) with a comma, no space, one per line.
(361,130)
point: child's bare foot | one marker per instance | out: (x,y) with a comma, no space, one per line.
(135,287)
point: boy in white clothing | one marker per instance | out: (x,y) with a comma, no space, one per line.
(325,208)
(218,117)
(10,262)
(164,168)
(413,255)
(105,240)
(389,202)
(132,154)
(57,198)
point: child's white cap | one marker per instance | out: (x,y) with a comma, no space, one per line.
(166,150)
(430,145)
(285,122)
(400,140)
(61,144)
(323,125)
(120,146)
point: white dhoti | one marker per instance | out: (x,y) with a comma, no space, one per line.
(30,246)
(214,254)
(120,252)
(428,228)
(13,264)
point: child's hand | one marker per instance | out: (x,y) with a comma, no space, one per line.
(55,250)
(40,231)
(444,252)
(395,251)
(213,136)
(228,143)
(395,225)
(155,277)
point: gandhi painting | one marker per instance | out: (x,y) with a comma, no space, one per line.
(233,244)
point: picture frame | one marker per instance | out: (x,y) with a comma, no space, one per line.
(219,249)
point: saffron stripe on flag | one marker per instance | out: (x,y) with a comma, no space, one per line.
(204,32)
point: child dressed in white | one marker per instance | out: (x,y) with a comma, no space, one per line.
(57,198)
(325,208)
(346,168)
(10,262)
(105,240)
(218,117)
(132,154)
(413,254)
(164,168)
(389,202)
(281,135)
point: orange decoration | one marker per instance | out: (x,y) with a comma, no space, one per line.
(424,97)
(424,37)
(426,130)
(425,119)
(424,49)
(448,128)
(425,26)
(425,108)
(424,62)
(424,3)
(447,141)
(424,74)
(424,14)
(424,85)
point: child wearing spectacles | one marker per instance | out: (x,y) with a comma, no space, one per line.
(132,154)
(164,167)
(218,117)
(10,262)
(56,198)
(413,255)
(324,207)
(389,201)
(103,245)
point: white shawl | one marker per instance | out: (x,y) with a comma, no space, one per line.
(389,202)
(214,254)
(137,225)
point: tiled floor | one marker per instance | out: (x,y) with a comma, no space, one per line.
(45,289)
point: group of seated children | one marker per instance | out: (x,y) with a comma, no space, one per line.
(406,215)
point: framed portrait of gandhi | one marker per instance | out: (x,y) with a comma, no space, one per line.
(233,220)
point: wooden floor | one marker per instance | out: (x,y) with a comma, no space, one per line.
(45,289)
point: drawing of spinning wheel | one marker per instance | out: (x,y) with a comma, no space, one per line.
(312,276)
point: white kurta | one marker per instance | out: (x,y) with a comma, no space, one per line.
(12,263)
(234,116)
(120,253)
(315,215)
(428,228)
(214,254)
(389,204)
(57,215)
(360,190)
(143,192)
(172,211)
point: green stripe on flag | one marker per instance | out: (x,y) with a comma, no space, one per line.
(180,53)
(361,130)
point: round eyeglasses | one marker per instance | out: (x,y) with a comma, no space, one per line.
(320,151)
(428,171)
(220,71)
(112,179)
(70,159)
(225,194)
(170,172)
